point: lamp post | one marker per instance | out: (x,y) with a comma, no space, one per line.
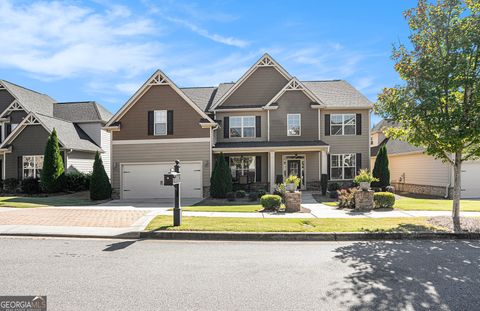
(177,210)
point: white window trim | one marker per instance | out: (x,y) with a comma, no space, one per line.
(35,165)
(243,170)
(242,127)
(343,124)
(155,123)
(300,124)
(343,167)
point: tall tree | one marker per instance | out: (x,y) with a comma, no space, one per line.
(53,168)
(381,171)
(221,180)
(100,187)
(438,106)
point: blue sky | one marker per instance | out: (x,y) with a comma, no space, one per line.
(104,50)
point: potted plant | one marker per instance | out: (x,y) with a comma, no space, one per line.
(364,179)
(292,183)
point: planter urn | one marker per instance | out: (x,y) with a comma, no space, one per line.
(365,186)
(291,187)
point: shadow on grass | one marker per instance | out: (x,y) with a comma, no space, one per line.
(408,228)
(408,275)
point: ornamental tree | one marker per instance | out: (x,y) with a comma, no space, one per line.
(381,170)
(438,105)
(221,180)
(100,187)
(53,169)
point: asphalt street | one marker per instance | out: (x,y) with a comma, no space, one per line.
(97,274)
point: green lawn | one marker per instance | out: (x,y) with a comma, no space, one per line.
(292,225)
(27,202)
(250,208)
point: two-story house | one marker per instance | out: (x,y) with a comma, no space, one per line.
(27,118)
(268,124)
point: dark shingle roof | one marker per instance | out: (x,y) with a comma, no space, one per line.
(81,112)
(29,99)
(201,96)
(338,93)
(395,146)
(253,144)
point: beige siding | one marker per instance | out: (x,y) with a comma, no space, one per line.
(5,100)
(221,115)
(262,85)
(106,139)
(134,124)
(17,116)
(162,152)
(80,162)
(351,143)
(419,169)
(294,102)
(312,164)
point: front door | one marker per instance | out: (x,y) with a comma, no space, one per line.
(295,167)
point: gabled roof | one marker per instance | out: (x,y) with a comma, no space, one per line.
(338,94)
(395,146)
(81,112)
(265,61)
(295,85)
(158,78)
(30,100)
(70,136)
(201,96)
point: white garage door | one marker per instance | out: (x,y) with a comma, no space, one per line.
(145,181)
(471,180)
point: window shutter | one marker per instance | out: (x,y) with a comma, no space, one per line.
(328,166)
(358,161)
(19,168)
(169,122)
(258,168)
(258,126)
(150,122)
(358,122)
(327,126)
(226,127)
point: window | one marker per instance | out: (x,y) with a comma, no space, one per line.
(342,166)
(242,126)
(32,166)
(343,124)
(241,166)
(294,124)
(160,122)
(14,125)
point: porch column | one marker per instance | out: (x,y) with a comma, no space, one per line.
(324,162)
(271,170)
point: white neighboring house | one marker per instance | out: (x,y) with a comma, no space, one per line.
(413,171)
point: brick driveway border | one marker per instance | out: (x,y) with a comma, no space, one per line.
(71,217)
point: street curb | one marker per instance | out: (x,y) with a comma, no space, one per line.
(311,236)
(128,235)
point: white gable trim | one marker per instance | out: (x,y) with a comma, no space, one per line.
(265,61)
(158,78)
(295,85)
(14,106)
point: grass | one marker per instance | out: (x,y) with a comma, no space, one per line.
(293,225)
(250,208)
(77,199)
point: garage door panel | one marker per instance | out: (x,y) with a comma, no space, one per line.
(471,180)
(145,181)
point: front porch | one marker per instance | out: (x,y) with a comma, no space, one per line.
(264,164)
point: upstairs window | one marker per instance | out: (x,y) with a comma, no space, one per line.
(32,166)
(343,124)
(342,166)
(160,122)
(243,126)
(294,124)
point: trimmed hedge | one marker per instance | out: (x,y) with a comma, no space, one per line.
(240,194)
(252,196)
(76,181)
(271,201)
(30,186)
(384,199)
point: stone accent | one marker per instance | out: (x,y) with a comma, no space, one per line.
(293,202)
(364,200)
(437,191)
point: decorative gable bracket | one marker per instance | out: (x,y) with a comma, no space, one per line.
(266,61)
(31,120)
(158,79)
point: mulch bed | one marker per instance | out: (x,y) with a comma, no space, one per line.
(470,224)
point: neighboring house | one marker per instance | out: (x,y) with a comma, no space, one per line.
(268,124)
(413,171)
(27,118)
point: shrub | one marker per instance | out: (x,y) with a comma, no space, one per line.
(261,193)
(11,185)
(332,189)
(346,198)
(76,181)
(280,190)
(240,194)
(292,179)
(390,189)
(271,202)
(381,169)
(252,196)
(230,196)
(324,183)
(100,187)
(30,185)
(384,199)
(53,169)
(221,180)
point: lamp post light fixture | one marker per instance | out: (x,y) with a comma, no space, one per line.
(173,179)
